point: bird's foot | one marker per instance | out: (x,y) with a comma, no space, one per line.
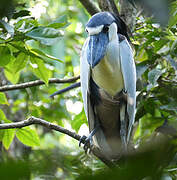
(87,141)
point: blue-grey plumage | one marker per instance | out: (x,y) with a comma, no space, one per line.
(108,83)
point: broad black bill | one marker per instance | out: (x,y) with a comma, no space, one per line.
(96,48)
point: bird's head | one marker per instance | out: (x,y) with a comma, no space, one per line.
(102,28)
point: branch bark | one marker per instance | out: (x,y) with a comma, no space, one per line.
(128,14)
(36,83)
(90,6)
(33,120)
(108,5)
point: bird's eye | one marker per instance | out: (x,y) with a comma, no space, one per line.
(86,30)
(105,29)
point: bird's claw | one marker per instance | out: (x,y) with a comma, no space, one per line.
(87,143)
(82,140)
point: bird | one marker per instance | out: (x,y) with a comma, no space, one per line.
(108,85)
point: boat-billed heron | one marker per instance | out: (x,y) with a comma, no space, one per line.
(108,84)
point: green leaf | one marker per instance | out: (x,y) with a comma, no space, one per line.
(25,25)
(3,99)
(39,69)
(159,44)
(28,136)
(12,77)
(173,21)
(61,22)
(19,46)
(8,137)
(172,62)
(44,55)
(78,121)
(1,134)
(12,69)
(172,106)
(5,55)
(21,14)
(141,68)
(45,35)
(142,55)
(2,116)
(150,105)
(154,75)
(8,27)
(147,124)
(20,62)
(173,14)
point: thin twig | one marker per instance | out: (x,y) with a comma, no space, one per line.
(89,6)
(36,83)
(33,120)
(72,86)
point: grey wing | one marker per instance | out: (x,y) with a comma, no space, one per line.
(129,76)
(99,138)
(85,83)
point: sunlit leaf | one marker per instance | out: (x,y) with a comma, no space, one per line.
(8,137)
(142,55)
(39,69)
(3,99)
(12,77)
(20,62)
(5,55)
(45,35)
(2,116)
(44,55)
(5,135)
(78,121)
(61,22)
(28,136)
(1,135)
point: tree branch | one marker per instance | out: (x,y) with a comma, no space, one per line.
(108,5)
(33,120)
(128,14)
(36,83)
(89,6)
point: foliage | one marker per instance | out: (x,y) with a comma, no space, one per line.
(157,66)
(48,45)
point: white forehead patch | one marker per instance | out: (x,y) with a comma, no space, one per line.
(94,30)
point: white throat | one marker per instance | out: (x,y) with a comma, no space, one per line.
(94,30)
